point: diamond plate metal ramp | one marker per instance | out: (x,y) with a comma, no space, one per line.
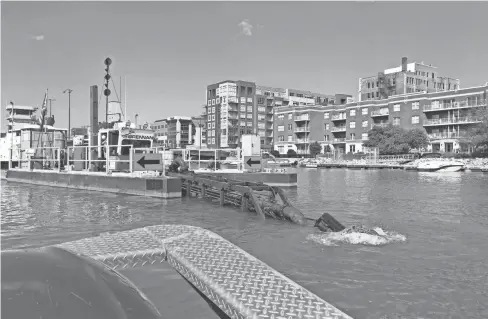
(238,283)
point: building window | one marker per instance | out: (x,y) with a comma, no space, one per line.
(415,105)
(364,111)
(352,124)
(415,119)
(326,127)
(326,137)
(352,112)
(281,138)
(352,136)
(290,127)
(396,121)
(290,138)
(209,125)
(290,116)
(365,123)
(213,124)
(260,100)
(281,128)
(213,101)
(326,115)
(217,100)
(396,108)
(249,108)
(352,148)
(213,109)
(209,102)
(242,108)
(364,136)
(281,117)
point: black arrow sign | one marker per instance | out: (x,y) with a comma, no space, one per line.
(143,162)
(250,162)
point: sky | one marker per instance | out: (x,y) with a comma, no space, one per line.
(170,51)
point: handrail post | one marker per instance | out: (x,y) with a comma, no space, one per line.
(106,157)
(131,155)
(59,159)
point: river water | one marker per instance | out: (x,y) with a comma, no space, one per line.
(435,264)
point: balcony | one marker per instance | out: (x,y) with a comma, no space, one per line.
(302,141)
(452,106)
(232,100)
(302,129)
(379,113)
(440,136)
(453,121)
(285,142)
(337,129)
(338,117)
(303,117)
(339,140)
(379,125)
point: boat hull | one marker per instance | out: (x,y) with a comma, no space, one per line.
(441,168)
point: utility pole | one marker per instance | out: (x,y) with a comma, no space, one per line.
(50,106)
(69,110)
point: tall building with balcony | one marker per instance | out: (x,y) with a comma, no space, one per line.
(296,127)
(160,128)
(235,108)
(445,116)
(407,78)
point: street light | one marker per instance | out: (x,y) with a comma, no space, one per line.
(69,110)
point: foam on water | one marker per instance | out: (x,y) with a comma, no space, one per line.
(357,238)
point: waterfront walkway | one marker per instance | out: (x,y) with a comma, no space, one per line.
(238,283)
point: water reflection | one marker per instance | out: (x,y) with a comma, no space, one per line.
(442,177)
(437,273)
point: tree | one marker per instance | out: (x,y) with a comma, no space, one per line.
(315,148)
(327,149)
(392,140)
(291,153)
(478,134)
(416,138)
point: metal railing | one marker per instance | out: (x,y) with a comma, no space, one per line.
(453,120)
(338,117)
(211,159)
(380,113)
(302,129)
(304,117)
(453,105)
(339,140)
(338,129)
(437,136)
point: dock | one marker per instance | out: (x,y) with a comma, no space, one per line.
(265,200)
(239,284)
(121,183)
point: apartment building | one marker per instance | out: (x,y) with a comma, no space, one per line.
(407,78)
(200,138)
(445,116)
(174,132)
(235,108)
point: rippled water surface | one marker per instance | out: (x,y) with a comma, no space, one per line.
(440,271)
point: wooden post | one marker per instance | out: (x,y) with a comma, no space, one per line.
(256,205)
(188,188)
(202,190)
(243,203)
(222,197)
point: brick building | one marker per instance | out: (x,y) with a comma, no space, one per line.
(235,108)
(407,78)
(445,116)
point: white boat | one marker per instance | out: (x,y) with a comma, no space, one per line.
(311,165)
(440,166)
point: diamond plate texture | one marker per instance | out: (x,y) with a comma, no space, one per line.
(239,284)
